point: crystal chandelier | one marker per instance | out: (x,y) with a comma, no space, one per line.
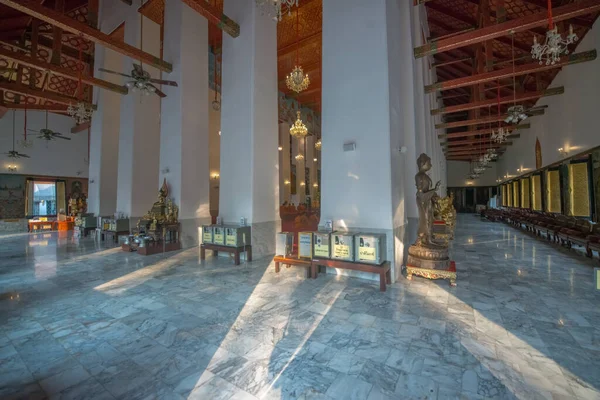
(553,47)
(500,135)
(25,143)
(298,130)
(299,157)
(297,80)
(80,112)
(318,145)
(516,114)
(274,8)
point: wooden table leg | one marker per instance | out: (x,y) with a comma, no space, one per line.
(276,267)
(382,279)
(237,257)
(215,253)
(202,253)
(388,276)
(249,253)
(313,270)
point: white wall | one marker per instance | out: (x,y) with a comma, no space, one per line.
(458,171)
(571,119)
(58,157)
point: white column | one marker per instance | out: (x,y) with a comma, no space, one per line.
(249,125)
(214,154)
(184,139)
(365,189)
(104,138)
(139,137)
(284,162)
(300,172)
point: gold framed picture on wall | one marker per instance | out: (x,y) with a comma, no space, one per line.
(536,192)
(579,183)
(553,195)
(515,188)
(525,192)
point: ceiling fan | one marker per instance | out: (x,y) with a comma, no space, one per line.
(142,81)
(13,153)
(49,134)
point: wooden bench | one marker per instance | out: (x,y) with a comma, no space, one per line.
(298,262)
(226,249)
(383,270)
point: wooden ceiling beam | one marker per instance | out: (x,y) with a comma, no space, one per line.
(65,23)
(481,121)
(503,100)
(215,16)
(508,72)
(480,132)
(61,71)
(37,107)
(299,44)
(484,140)
(528,22)
(46,95)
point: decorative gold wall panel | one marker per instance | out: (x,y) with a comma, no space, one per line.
(504,197)
(509,196)
(536,192)
(553,195)
(579,190)
(525,193)
(515,188)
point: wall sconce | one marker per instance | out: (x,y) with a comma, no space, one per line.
(302,183)
(315,159)
(216,176)
(12,168)
(165,170)
(286,182)
(280,148)
(469,183)
(219,133)
(563,151)
(316,185)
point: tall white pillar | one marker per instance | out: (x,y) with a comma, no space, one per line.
(249,125)
(139,137)
(104,138)
(184,138)
(368,189)
(300,171)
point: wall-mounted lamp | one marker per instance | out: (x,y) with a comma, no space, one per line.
(216,176)
(165,170)
(12,168)
(469,183)
(286,182)
(563,151)
(315,159)
(280,148)
(315,185)
(219,133)
(302,184)
(91,181)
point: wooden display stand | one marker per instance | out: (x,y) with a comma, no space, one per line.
(65,225)
(297,262)
(113,236)
(449,273)
(157,247)
(383,270)
(235,250)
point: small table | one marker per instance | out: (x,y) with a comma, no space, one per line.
(35,225)
(235,250)
(383,270)
(298,262)
(113,236)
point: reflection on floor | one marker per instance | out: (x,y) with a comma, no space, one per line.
(79,321)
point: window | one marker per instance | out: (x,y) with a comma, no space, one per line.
(45,198)
(525,203)
(553,191)
(536,192)
(579,189)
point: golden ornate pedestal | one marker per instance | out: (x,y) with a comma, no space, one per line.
(449,273)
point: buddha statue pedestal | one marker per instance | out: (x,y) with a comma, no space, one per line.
(428,257)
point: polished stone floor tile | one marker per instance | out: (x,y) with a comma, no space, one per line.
(80,320)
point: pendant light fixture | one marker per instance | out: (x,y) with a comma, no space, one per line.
(80,111)
(274,8)
(499,135)
(298,130)
(516,113)
(297,80)
(554,45)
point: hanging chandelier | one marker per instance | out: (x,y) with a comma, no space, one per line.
(500,135)
(516,114)
(297,80)
(299,157)
(318,145)
(554,44)
(80,112)
(298,130)
(275,8)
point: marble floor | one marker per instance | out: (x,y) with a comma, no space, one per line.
(83,321)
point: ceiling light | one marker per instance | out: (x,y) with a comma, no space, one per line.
(553,46)
(274,8)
